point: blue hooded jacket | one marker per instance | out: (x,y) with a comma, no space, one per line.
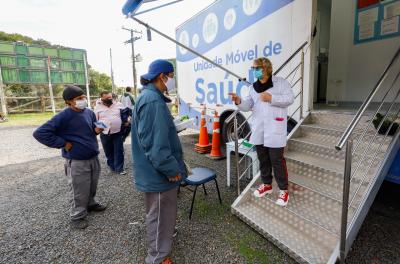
(157,151)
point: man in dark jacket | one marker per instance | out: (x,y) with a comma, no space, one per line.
(158,159)
(74,131)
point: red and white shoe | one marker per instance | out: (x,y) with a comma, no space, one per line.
(283,198)
(262,190)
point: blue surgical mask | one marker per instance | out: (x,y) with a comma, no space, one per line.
(258,74)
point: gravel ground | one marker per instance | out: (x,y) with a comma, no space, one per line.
(34,208)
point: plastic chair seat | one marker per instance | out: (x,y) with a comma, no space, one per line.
(200,176)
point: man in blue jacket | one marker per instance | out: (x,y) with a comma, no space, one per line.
(74,131)
(158,159)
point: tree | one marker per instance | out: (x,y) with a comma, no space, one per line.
(98,82)
(14,37)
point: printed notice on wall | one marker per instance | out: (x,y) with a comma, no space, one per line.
(376,20)
(368,17)
(390,26)
(392,10)
(366,31)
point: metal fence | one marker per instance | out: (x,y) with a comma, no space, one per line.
(36,104)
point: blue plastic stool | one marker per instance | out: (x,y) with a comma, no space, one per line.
(199,177)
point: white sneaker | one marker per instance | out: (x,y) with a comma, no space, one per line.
(262,190)
(283,198)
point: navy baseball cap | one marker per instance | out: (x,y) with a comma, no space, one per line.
(157,67)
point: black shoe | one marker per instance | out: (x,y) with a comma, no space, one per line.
(79,224)
(97,208)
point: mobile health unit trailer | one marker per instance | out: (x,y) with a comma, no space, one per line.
(336,158)
(233,34)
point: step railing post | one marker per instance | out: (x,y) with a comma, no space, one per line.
(235,128)
(302,85)
(345,201)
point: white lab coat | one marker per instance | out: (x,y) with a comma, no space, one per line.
(269,120)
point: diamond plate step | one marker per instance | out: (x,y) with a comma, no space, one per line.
(311,205)
(308,228)
(337,121)
(323,181)
(325,157)
(301,239)
(328,137)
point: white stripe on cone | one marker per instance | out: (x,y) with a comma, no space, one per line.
(216,130)
(216,119)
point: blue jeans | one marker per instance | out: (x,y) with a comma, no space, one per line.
(114,150)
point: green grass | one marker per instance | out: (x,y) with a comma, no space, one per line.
(249,244)
(35,119)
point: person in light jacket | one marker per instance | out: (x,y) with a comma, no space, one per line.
(157,158)
(269,98)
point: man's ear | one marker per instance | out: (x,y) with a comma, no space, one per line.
(162,77)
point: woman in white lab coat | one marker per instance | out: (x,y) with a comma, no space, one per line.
(269,98)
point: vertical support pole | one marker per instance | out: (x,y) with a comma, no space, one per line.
(3,96)
(302,85)
(112,72)
(345,201)
(87,81)
(53,105)
(235,124)
(134,65)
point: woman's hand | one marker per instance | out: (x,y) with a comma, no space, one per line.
(266,97)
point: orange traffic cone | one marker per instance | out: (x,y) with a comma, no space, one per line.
(204,146)
(216,139)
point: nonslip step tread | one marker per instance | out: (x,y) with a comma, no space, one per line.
(310,205)
(296,236)
(332,190)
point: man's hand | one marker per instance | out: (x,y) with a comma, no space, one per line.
(175,179)
(98,130)
(266,97)
(235,98)
(68,146)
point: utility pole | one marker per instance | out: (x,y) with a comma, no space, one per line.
(53,105)
(132,41)
(2,96)
(112,73)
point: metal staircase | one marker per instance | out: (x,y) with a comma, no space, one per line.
(331,188)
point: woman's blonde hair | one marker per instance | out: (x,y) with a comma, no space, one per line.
(266,64)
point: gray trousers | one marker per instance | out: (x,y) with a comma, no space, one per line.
(83,176)
(161,211)
(272,158)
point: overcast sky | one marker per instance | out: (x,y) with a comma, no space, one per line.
(95,25)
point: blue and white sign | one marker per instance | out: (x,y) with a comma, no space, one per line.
(233,33)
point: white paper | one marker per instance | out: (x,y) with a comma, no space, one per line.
(390,26)
(366,31)
(392,10)
(368,16)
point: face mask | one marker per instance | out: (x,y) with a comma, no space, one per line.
(81,104)
(258,74)
(170,84)
(107,102)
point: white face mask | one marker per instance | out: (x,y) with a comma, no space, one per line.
(81,104)
(170,84)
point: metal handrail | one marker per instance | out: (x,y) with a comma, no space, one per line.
(376,112)
(349,130)
(291,57)
(346,139)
